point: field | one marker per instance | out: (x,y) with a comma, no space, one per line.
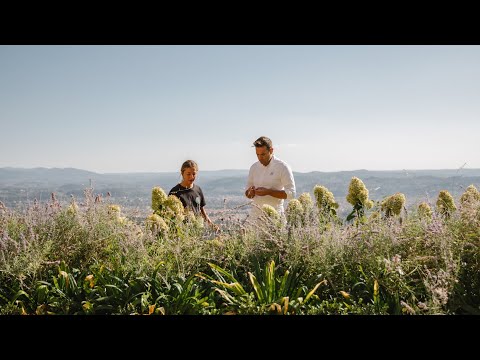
(93,257)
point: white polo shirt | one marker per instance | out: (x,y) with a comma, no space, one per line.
(277,175)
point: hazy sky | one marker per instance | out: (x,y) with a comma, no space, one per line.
(326,108)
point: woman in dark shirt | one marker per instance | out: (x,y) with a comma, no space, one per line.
(190,194)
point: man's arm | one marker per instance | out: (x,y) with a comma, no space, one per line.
(288,183)
(279,194)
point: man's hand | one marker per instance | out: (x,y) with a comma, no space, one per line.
(251,192)
(261,191)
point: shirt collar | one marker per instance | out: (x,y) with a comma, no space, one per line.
(271,161)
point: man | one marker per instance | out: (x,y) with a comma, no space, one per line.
(270,180)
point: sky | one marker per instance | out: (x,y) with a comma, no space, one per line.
(148,108)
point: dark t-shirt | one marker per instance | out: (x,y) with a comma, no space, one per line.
(191,198)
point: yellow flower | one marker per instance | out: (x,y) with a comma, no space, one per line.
(158,198)
(270,211)
(306,201)
(445,203)
(470,195)
(156,223)
(358,193)
(424,210)
(89,278)
(72,208)
(393,204)
(325,199)
(294,212)
(174,208)
(114,210)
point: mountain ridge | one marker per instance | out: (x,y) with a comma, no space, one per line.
(53,170)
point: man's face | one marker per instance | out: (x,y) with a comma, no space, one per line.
(264,155)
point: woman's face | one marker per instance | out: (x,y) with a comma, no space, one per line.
(188,176)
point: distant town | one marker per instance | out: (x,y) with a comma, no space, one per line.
(223,189)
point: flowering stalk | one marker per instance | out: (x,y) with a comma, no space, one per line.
(358,197)
(393,204)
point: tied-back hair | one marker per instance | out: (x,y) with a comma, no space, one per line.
(263,141)
(189,164)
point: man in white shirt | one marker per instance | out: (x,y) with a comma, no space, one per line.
(270,180)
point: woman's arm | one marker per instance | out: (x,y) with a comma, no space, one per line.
(207,219)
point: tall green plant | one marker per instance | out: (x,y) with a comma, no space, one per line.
(358,197)
(325,201)
(393,204)
(272,292)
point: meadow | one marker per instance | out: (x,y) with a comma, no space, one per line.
(90,256)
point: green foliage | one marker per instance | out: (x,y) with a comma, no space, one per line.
(91,260)
(272,293)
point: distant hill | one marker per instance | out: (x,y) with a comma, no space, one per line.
(12,176)
(21,186)
(17,176)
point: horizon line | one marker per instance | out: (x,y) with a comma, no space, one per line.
(219,170)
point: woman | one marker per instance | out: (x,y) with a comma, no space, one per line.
(190,194)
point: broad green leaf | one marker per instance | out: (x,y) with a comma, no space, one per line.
(257,288)
(270,282)
(20,293)
(113,287)
(375,291)
(314,289)
(281,291)
(219,272)
(285,305)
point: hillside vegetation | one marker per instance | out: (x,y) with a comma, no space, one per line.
(92,256)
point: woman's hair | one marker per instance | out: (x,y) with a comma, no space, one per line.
(189,164)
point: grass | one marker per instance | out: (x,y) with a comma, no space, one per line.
(93,259)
